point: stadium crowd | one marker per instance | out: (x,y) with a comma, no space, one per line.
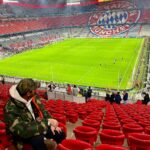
(16,44)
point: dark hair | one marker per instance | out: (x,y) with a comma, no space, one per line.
(25,86)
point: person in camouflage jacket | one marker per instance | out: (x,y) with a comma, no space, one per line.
(26,118)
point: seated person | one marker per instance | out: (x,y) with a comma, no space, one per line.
(27,120)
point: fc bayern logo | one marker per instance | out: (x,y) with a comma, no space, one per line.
(109,23)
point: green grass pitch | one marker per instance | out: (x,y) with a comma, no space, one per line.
(105,63)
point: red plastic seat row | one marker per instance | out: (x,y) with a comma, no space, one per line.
(112,137)
(71,144)
(109,147)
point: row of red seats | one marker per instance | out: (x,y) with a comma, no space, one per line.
(71,144)
(15,26)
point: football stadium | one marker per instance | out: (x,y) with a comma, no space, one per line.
(74,75)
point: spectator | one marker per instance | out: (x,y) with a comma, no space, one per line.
(112,97)
(88,94)
(107,98)
(125,97)
(75,90)
(146,98)
(27,120)
(51,86)
(81,91)
(2,79)
(118,98)
(69,89)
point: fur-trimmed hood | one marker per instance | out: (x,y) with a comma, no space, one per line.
(14,93)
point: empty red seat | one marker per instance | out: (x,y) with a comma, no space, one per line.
(144,123)
(71,144)
(112,137)
(139,141)
(92,123)
(127,121)
(132,128)
(109,147)
(97,118)
(87,134)
(82,114)
(109,121)
(147,130)
(72,116)
(113,126)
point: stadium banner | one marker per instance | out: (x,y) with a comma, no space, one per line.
(119,17)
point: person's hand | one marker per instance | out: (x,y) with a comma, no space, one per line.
(58,129)
(53,129)
(53,122)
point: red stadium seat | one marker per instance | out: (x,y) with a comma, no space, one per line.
(82,114)
(94,117)
(132,128)
(72,116)
(147,130)
(144,123)
(112,137)
(71,144)
(110,125)
(127,121)
(87,134)
(92,123)
(109,147)
(139,141)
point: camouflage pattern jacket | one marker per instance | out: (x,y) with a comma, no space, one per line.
(19,120)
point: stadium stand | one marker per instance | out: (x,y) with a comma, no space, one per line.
(80,17)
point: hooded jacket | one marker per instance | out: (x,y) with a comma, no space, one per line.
(20,117)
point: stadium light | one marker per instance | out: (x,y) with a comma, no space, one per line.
(6,1)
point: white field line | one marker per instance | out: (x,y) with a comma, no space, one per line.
(133,73)
(130,64)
